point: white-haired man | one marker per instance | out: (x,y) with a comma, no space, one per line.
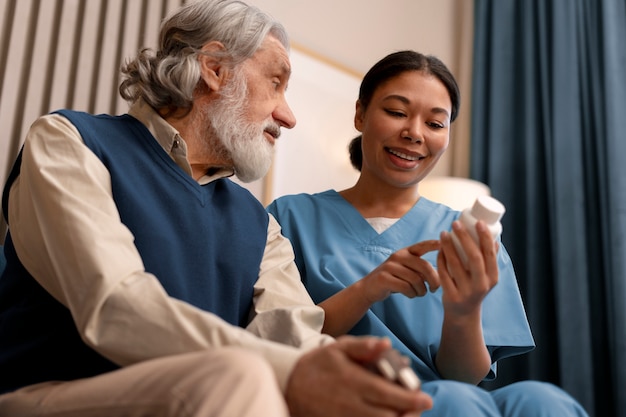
(140,280)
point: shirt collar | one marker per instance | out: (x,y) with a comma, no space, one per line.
(171,141)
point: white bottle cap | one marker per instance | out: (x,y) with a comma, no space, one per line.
(487,209)
(408,379)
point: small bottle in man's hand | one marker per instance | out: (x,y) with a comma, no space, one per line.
(395,367)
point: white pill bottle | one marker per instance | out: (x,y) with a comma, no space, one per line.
(485,208)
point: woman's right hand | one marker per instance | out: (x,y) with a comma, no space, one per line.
(404,272)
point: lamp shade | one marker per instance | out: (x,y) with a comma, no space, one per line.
(455,192)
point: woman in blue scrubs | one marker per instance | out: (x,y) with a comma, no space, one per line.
(379,258)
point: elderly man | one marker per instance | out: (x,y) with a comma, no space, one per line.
(140,280)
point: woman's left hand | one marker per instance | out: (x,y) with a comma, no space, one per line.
(464,288)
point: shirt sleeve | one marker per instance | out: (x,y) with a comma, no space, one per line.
(283,309)
(67,232)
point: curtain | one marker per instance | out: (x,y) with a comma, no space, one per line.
(549,137)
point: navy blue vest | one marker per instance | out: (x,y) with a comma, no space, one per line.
(203,243)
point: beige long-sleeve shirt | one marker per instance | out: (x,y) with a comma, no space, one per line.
(68,234)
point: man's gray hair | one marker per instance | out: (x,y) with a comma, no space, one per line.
(167,78)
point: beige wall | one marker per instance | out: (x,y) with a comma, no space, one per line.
(65,53)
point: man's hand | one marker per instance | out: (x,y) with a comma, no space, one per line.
(334,381)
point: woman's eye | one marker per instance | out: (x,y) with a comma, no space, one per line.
(394,113)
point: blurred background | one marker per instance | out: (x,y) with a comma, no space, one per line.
(541,127)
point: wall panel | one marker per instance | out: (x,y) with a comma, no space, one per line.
(66,54)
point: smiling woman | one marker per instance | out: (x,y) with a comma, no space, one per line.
(378,256)
(322,95)
(403,131)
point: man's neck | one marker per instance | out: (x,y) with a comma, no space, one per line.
(202,158)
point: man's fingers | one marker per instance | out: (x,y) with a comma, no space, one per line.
(363,349)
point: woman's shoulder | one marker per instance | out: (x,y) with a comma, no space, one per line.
(303,200)
(435,209)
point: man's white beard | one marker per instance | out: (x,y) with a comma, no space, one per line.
(244,142)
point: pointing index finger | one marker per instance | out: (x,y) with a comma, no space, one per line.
(424,246)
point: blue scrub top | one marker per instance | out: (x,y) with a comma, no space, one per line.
(335,247)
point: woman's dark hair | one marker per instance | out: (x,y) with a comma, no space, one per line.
(391,66)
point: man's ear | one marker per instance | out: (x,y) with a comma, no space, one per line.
(358,116)
(213,68)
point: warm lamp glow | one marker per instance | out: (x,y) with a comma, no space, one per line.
(458,193)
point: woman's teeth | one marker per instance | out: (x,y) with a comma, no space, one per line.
(403,155)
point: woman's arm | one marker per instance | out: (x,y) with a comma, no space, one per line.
(462,354)
(403,272)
